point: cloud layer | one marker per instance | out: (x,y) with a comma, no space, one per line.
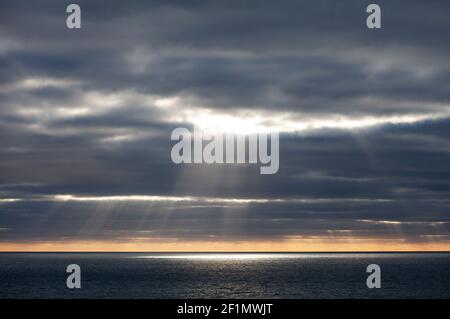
(86,117)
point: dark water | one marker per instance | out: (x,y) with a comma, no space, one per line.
(144,275)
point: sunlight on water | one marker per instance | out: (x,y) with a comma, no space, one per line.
(263,256)
(259,275)
(241,256)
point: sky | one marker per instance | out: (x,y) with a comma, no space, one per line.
(86,117)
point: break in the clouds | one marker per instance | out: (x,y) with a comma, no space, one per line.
(86,116)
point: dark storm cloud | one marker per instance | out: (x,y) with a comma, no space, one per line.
(284,55)
(348,190)
(306,58)
(223,222)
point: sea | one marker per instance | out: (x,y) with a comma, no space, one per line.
(225,275)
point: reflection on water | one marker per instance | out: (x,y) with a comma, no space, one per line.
(273,256)
(224,275)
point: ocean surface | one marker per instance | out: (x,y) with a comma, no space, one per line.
(211,275)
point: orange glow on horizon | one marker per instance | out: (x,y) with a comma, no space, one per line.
(242,246)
